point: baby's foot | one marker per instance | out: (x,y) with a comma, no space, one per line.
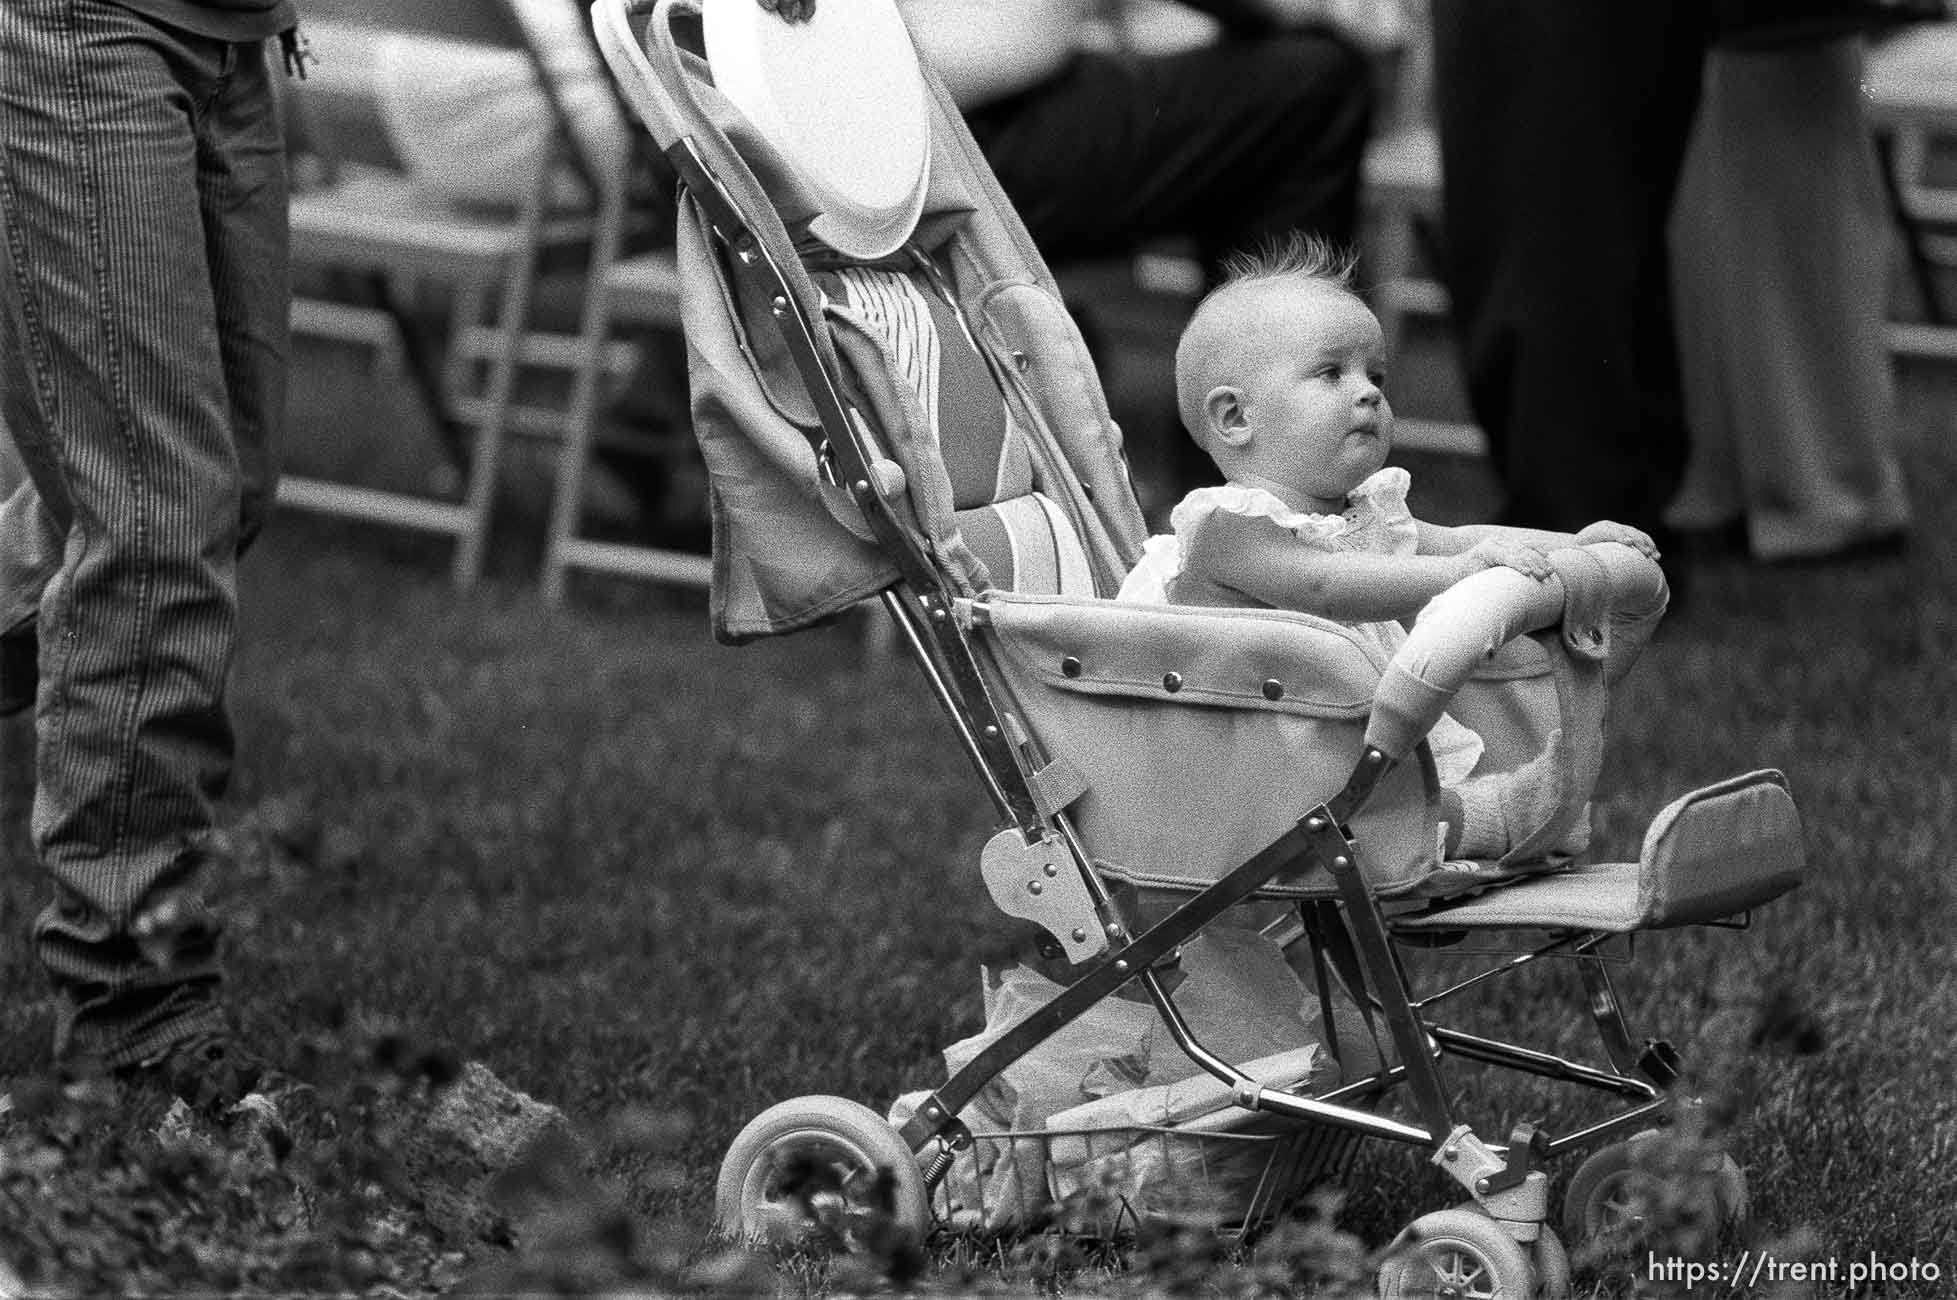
(1501,811)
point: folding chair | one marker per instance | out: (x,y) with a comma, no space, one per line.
(639,290)
(1912,97)
(371,223)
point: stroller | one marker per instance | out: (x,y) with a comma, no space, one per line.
(894,406)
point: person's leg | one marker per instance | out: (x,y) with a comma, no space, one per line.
(114,217)
(1710,506)
(1785,256)
(1562,125)
(30,551)
(242,184)
(1226,144)
(31,529)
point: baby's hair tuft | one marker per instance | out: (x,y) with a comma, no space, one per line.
(1299,255)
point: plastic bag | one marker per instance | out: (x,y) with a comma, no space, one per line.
(1241,1000)
(1181,1151)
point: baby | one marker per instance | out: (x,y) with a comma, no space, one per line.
(1279,376)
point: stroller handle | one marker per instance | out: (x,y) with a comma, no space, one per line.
(611,23)
(1607,595)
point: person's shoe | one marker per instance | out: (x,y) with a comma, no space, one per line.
(210,1072)
(20,669)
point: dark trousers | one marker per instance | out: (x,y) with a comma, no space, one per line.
(1563,126)
(1223,145)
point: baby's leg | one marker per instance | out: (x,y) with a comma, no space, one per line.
(1487,816)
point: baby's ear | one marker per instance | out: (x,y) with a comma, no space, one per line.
(1223,411)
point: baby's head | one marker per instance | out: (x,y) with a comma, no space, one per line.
(1279,374)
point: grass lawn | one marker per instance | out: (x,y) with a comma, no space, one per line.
(630,870)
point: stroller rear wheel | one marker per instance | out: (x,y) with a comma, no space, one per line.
(820,1169)
(1459,1252)
(1615,1194)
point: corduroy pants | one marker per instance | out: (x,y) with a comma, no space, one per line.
(143,348)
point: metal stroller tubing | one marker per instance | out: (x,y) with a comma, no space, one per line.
(926,430)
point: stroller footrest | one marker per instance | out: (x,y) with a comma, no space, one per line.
(1707,856)
(1594,896)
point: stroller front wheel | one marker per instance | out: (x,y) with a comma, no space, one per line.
(821,1169)
(1553,1276)
(1459,1252)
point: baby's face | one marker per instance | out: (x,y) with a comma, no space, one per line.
(1319,419)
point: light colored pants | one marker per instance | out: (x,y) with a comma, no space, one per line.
(143,356)
(1780,245)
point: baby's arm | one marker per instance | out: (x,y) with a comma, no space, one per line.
(1274,568)
(1440,539)
(1436,539)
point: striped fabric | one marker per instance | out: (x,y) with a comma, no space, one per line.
(1028,546)
(984,456)
(1023,538)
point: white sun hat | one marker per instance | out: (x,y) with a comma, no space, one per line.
(841,99)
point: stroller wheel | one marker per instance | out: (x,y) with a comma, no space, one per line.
(1552,1266)
(1618,1195)
(1459,1252)
(821,1169)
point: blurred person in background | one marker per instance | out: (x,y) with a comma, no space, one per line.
(1780,248)
(1240,132)
(1563,125)
(143,346)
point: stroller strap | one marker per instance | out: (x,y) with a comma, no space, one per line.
(1586,602)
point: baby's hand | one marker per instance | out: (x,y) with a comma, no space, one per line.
(794,11)
(1605,530)
(1499,553)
